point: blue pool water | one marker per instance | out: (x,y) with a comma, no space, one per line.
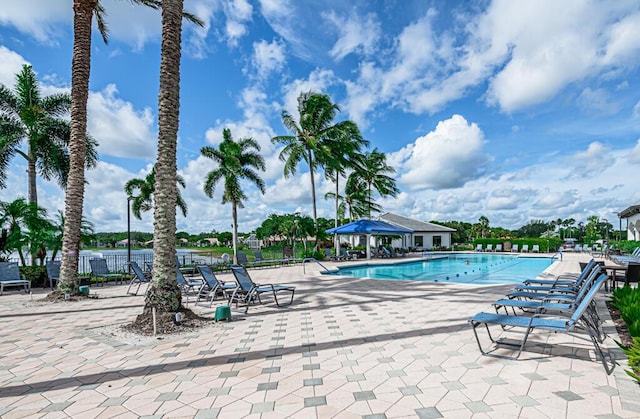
(481,269)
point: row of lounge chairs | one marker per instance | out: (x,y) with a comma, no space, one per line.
(242,291)
(563,305)
(515,248)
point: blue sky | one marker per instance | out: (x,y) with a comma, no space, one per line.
(513,110)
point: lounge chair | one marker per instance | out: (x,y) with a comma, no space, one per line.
(385,252)
(564,279)
(248,291)
(514,248)
(100,271)
(602,252)
(579,320)
(188,286)
(489,248)
(53,272)
(525,248)
(212,287)
(261,261)
(565,292)
(535,249)
(10,277)
(138,277)
(346,256)
(479,247)
(329,255)
(498,248)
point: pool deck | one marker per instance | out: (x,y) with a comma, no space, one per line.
(346,348)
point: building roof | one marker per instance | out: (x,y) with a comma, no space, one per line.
(416,225)
(632,210)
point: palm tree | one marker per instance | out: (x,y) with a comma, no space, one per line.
(143,200)
(236,161)
(372,171)
(86,232)
(315,125)
(25,114)
(484,225)
(83,11)
(27,228)
(339,153)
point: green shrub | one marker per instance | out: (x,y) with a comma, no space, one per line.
(633,354)
(37,275)
(627,300)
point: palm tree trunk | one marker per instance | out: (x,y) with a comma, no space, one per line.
(313,197)
(234,230)
(31,174)
(335,236)
(74,197)
(164,293)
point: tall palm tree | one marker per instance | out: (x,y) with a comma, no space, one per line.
(236,161)
(27,227)
(26,115)
(337,154)
(141,192)
(83,11)
(373,171)
(356,196)
(315,125)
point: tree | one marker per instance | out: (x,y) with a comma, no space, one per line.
(236,161)
(315,125)
(83,11)
(357,198)
(86,233)
(484,225)
(27,228)
(26,115)
(373,171)
(339,153)
(141,193)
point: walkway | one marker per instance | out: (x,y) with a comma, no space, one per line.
(347,348)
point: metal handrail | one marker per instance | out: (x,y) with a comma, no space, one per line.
(305,260)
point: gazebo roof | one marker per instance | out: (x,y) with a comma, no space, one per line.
(369,227)
(632,210)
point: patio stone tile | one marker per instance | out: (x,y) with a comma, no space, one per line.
(571,373)
(114,401)
(494,381)
(453,385)
(568,395)
(375,416)
(207,413)
(608,416)
(611,391)
(270,370)
(534,376)
(524,401)
(396,373)
(222,391)
(262,407)
(434,368)
(355,377)
(309,367)
(315,401)
(56,407)
(229,374)
(428,413)
(364,395)
(410,390)
(164,397)
(312,382)
(478,407)
(267,386)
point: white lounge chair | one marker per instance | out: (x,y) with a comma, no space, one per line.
(535,249)
(525,248)
(498,248)
(514,248)
(479,247)
(489,248)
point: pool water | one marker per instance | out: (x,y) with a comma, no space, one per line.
(459,268)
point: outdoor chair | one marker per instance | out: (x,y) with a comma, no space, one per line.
(579,320)
(10,277)
(489,248)
(260,260)
(498,248)
(535,248)
(248,291)
(514,248)
(212,287)
(138,277)
(631,276)
(53,272)
(479,247)
(585,269)
(100,271)
(329,255)
(187,286)
(525,248)
(346,256)
(242,259)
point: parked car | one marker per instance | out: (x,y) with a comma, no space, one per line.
(569,244)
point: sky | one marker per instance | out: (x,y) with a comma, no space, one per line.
(515,110)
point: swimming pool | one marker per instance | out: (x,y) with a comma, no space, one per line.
(470,268)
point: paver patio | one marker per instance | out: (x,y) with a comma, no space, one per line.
(346,348)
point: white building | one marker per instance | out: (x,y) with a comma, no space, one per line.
(632,217)
(425,235)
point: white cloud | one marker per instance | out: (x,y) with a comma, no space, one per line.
(636,110)
(597,101)
(318,81)
(268,57)
(120,129)
(358,34)
(447,157)
(239,14)
(634,155)
(591,161)
(36,17)
(508,198)
(12,63)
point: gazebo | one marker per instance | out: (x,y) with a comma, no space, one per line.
(369,228)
